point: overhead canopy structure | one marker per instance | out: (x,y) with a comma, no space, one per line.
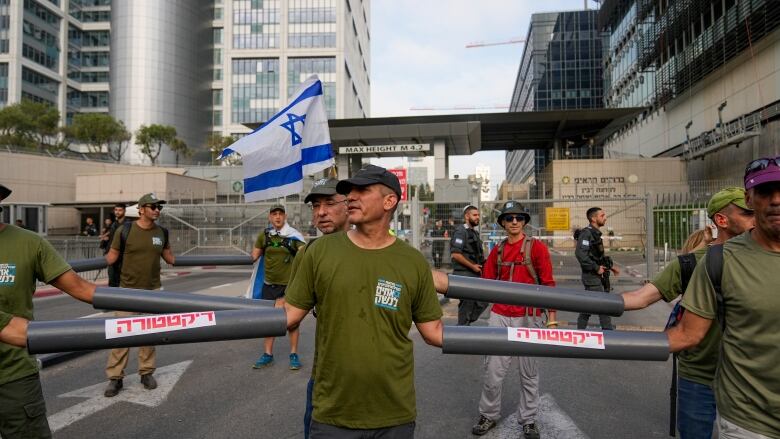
(465,134)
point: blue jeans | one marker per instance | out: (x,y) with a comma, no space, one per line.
(309,409)
(695,409)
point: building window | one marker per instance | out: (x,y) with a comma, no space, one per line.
(312,23)
(255,25)
(217,75)
(298,69)
(216,97)
(3,84)
(41,86)
(217,36)
(216,118)
(255,95)
(218,13)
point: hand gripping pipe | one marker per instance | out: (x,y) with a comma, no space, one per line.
(560,343)
(538,296)
(80,265)
(91,334)
(159,302)
(189,261)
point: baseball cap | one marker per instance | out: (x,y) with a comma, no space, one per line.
(513,207)
(276,207)
(323,187)
(149,198)
(4,192)
(724,197)
(469,207)
(763,170)
(370,174)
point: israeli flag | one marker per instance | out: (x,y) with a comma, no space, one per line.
(293,143)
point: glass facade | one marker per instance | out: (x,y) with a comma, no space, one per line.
(255,24)
(5,25)
(312,23)
(3,84)
(43,88)
(255,87)
(41,43)
(298,69)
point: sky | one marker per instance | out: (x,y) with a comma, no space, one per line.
(419,59)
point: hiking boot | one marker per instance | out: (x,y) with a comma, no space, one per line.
(530,431)
(263,361)
(483,426)
(113,388)
(295,362)
(149,382)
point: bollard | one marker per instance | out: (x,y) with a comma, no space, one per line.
(189,261)
(91,334)
(80,265)
(158,302)
(560,343)
(538,296)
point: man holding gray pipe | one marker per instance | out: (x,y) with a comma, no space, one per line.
(25,257)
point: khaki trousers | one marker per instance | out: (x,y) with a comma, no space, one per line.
(117,359)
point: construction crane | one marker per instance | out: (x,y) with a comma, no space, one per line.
(477,44)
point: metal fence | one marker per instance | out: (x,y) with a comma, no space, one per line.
(80,247)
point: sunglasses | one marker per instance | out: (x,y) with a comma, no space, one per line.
(518,218)
(158,207)
(761,164)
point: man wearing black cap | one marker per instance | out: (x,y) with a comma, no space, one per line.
(518,258)
(368,288)
(26,258)
(278,244)
(140,245)
(737,284)
(467,258)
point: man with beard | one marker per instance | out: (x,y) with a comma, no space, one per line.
(595,265)
(467,258)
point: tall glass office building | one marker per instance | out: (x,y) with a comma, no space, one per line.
(201,66)
(561,68)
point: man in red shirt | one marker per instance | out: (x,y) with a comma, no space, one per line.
(510,261)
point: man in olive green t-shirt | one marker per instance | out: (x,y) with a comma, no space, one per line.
(277,245)
(747,380)
(696,400)
(368,287)
(145,243)
(25,258)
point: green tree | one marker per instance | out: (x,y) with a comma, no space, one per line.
(29,124)
(99,131)
(179,147)
(118,144)
(152,138)
(216,142)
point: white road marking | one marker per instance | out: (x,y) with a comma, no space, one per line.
(552,422)
(133,392)
(220,286)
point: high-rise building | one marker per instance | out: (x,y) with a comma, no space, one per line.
(561,69)
(200,66)
(707,72)
(55,52)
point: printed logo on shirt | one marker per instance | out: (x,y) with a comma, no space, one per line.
(458,241)
(156,241)
(387,294)
(585,243)
(7,275)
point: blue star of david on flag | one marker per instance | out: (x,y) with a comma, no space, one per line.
(280,152)
(290,126)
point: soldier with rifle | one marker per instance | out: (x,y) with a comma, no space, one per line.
(595,264)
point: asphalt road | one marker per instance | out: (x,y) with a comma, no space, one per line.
(219,395)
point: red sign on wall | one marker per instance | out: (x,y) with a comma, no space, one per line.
(401,174)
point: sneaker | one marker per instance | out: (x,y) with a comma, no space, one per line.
(149,382)
(114,386)
(263,361)
(295,362)
(483,426)
(530,431)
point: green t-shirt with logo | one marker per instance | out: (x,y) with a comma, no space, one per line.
(366,302)
(277,258)
(698,363)
(25,258)
(747,382)
(141,260)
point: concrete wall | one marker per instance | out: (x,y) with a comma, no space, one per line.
(99,188)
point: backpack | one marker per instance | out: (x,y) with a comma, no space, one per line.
(286,243)
(576,233)
(528,242)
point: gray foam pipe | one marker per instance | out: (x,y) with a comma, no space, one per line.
(538,296)
(90,334)
(159,302)
(618,345)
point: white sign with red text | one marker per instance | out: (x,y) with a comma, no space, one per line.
(557,337)
(401,174)
(140,325)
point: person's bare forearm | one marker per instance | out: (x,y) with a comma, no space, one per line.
(641,298)
(15,332)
